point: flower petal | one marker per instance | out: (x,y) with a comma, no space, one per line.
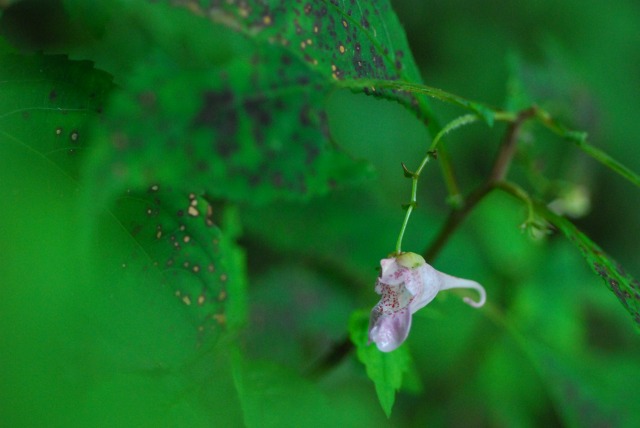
(425,285)
(392,273)
(448,282)
(389,330)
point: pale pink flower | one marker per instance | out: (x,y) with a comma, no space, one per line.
(407,283)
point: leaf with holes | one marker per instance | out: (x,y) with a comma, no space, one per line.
(626,288)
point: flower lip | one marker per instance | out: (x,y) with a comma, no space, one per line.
(406,284)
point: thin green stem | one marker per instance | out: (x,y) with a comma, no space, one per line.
(416,88)
(431,153)
(499,171)
(491,114)
(519,193)
(580,139)
(455,196)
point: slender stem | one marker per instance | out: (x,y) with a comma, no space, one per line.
(455,218)
(448,174)
(431,153)
(519,193)
(490,115)
(405,222)
(498,173)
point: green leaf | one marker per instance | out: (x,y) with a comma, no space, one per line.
(250,123)
(517,96)
(97,333)
(626,288)
(385,369)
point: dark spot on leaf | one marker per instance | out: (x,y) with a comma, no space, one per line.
(305,118)
(147,99)
(312,154)
(257,109)
(278,180)
(218,113)
(286,59)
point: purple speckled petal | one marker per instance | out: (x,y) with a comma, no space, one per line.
(388,331)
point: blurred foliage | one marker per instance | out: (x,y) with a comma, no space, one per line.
(194,208)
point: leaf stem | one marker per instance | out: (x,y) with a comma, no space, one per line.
(490,115)
(498,172)
(431,153)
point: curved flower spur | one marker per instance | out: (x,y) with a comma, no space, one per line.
(407,283)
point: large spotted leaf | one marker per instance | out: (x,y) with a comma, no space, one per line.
(230,97)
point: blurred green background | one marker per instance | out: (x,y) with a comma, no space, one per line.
(556,348)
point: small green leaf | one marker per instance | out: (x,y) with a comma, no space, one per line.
(517,97)
(626,288)
(385,369)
